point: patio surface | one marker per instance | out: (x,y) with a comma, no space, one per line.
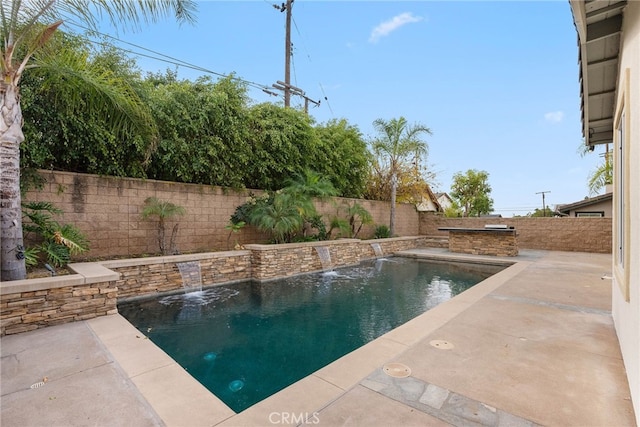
(532,345)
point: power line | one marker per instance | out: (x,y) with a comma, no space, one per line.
(304,46)
(301,38)
(326,99)
(169,59)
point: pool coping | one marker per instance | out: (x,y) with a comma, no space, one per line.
(179,399)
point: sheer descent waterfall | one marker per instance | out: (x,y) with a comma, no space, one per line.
(191,277)
(377,249)
(325,257)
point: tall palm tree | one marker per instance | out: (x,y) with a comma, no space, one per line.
(398,144)
(26,33)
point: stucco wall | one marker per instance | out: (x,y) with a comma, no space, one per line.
(626,314)
(108,210)
(555,234)
(604,207)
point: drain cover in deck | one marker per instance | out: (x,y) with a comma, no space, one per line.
(396,370)
(441,344)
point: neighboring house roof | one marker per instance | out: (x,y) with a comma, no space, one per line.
(439,196)
(430,199)
(565,209)
(599,24)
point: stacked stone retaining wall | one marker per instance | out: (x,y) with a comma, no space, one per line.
(275,261)
(95,288)
(157,275)
(26,305)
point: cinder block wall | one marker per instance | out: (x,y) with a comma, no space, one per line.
(108,210)
(554,234)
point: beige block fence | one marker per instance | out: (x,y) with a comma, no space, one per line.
(108,210)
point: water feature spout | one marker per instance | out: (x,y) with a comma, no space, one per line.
(325,257)
(377,249)
(191,276)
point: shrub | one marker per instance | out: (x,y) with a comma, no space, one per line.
(382,232)
(57,241)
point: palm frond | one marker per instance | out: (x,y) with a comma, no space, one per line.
(42,206)
(57,255)
(125,14)
(31,23)
(72,238)
(31,256)
(161,209)
(88,86)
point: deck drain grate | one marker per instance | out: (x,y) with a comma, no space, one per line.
(37,385)
(441,344)
(397,370)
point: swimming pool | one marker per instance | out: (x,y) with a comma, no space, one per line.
(246,341)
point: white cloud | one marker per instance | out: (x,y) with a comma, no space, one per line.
(554,116)
(385,28)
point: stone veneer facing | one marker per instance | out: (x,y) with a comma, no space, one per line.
(96,287)
(26,305)
(484,242)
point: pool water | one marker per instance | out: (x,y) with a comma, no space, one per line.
(246,341)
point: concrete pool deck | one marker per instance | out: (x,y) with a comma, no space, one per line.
(532,345)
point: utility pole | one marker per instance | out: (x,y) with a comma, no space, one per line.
(285,86)
(286,7)
(544,209)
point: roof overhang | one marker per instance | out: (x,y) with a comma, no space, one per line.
(599,25)
(565,209)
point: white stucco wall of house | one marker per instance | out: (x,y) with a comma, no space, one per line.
(626,314)
(444,201)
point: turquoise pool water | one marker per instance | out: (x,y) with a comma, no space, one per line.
(245,342)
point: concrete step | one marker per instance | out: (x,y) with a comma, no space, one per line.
(437,241)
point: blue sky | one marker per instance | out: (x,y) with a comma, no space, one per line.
(497,82)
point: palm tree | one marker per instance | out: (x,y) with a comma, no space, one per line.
(302,189)
(153,207)
(601,176)
(399,143)
(27,31)
(280,215)
(311,184)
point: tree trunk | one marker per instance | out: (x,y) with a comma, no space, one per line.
(173,248)
(392,219)
(11,136)
(161,236)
